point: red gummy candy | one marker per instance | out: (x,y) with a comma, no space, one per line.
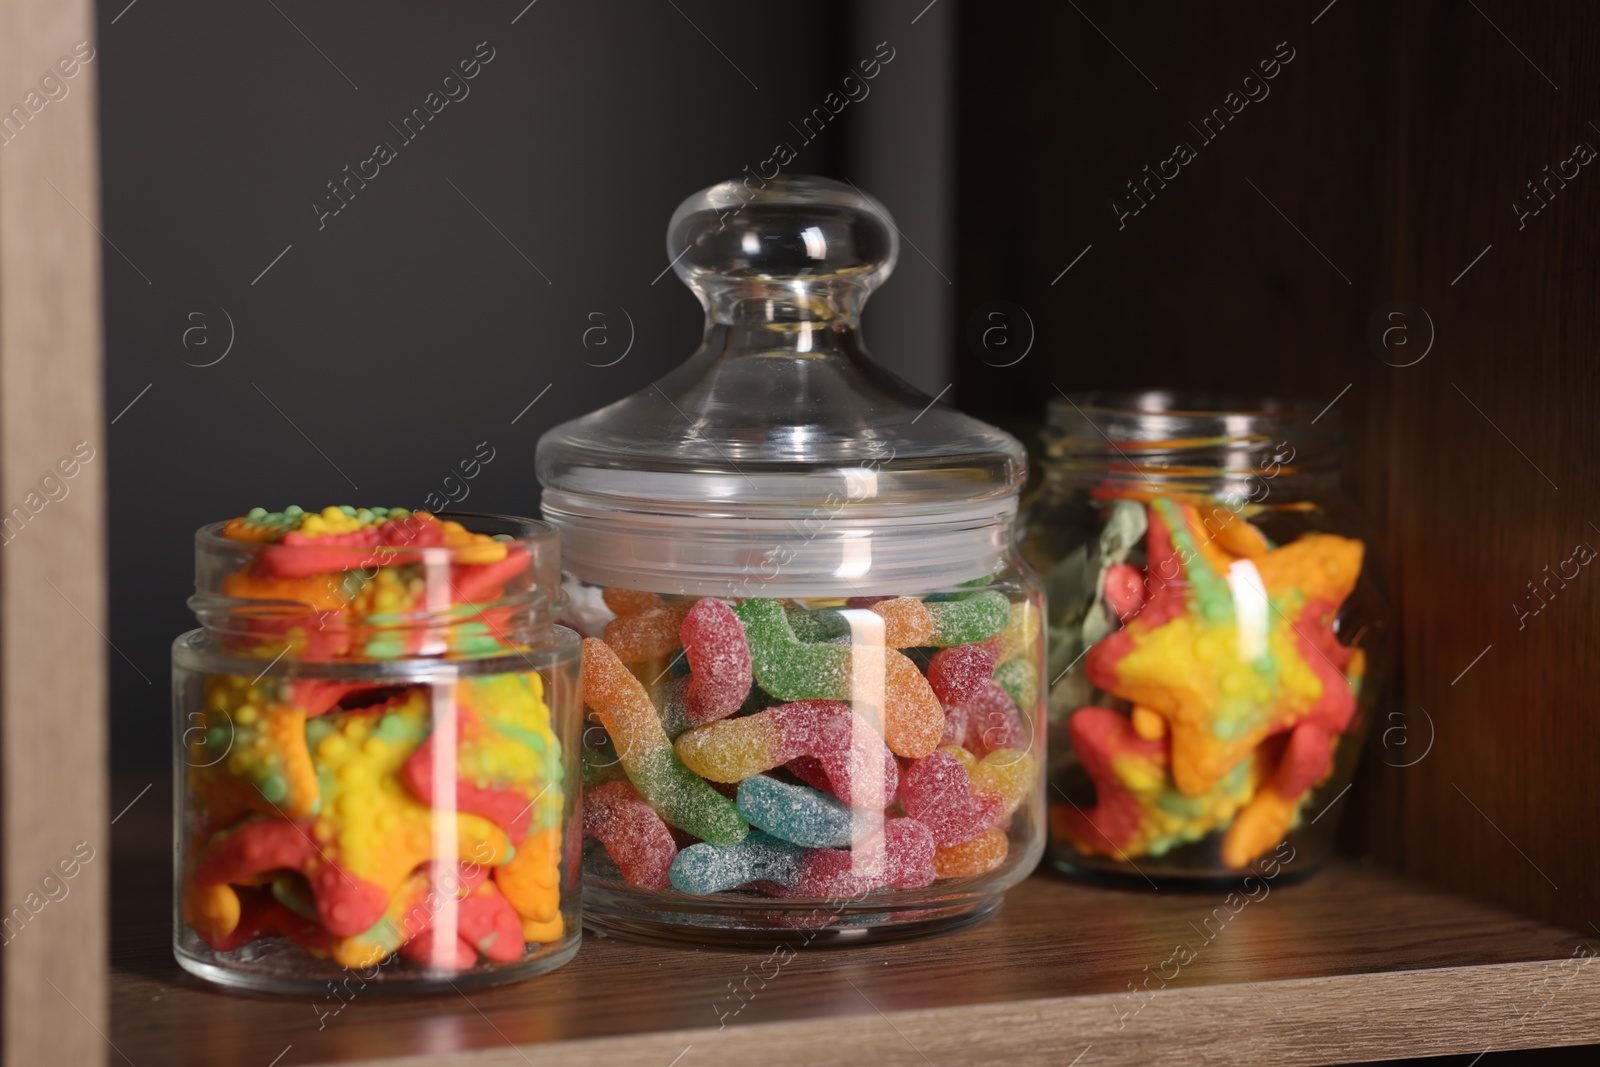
(937,792)
(1125,591)
(474,583)
(487,921)
(262,915)
(420,950)
(957,673)
(900,857)
(719,661)
(1097,735)
(506,808)
(638,841)
(993,721)
(851,760)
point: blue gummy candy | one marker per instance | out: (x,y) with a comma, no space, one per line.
(702,869)
(795,813)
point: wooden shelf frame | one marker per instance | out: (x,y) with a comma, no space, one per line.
(1354,964)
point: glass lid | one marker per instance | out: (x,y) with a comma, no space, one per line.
(780,417)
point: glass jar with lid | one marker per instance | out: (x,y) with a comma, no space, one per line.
(376,767)
(1216,632)
(813,655)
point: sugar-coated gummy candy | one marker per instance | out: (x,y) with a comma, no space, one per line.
(784,665)
(970,858)
(760,857)
(955,725)
(1020,681)
(719,661)
(624,707)
(1004,773)
(993,720)
(971,618)
(629,601)
(913,718)
(646,635)
(800,814)
(858,766)
(818,626)
(937,792)
(901,856)
(1020,638)
(956,673)
(907,622)
(794,670)
(634,836)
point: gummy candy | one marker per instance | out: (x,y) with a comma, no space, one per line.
(784,695)
(719,661)
(955,674)
(937,792)
(993,720)
(858,766)
(760,857)
(1020,682)
(796,813)
(646,635)
(635,837)
(318,803)
(978,856)
(655,769)
(901,856)
(794,670)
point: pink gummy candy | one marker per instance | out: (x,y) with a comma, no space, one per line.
(955,725)
(636,838)
(901,857)
(957,673)
(993,721)
(847,751)
(719,661)
(937,792)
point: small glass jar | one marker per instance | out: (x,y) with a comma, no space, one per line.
(1216,632)
(813,654)
(376,764)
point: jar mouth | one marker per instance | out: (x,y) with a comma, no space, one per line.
(324,598)
(1199,431)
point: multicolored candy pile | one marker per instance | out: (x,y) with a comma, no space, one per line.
(320,809)
(817,749)
(1238,685)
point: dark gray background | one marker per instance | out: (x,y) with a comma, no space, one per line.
(381,349)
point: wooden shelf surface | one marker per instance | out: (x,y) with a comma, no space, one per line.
(1355,964)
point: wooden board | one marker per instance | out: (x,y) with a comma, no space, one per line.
(1355,964)
(52,574)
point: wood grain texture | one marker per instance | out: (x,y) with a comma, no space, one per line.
(1385,159)
(52,576)
(1354,964)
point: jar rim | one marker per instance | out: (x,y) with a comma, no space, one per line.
(312,598)
(1191,426)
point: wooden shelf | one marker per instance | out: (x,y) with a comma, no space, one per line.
(1355,964)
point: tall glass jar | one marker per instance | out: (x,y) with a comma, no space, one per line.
(1216,633)
(376,765)
(813,655)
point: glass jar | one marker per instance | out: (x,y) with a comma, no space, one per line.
(376,764)
(813,654)
(1216,633)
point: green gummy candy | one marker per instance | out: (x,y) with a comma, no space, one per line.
(787,667)
(971,619)
(817,627)
(683,799)
(1019,681)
